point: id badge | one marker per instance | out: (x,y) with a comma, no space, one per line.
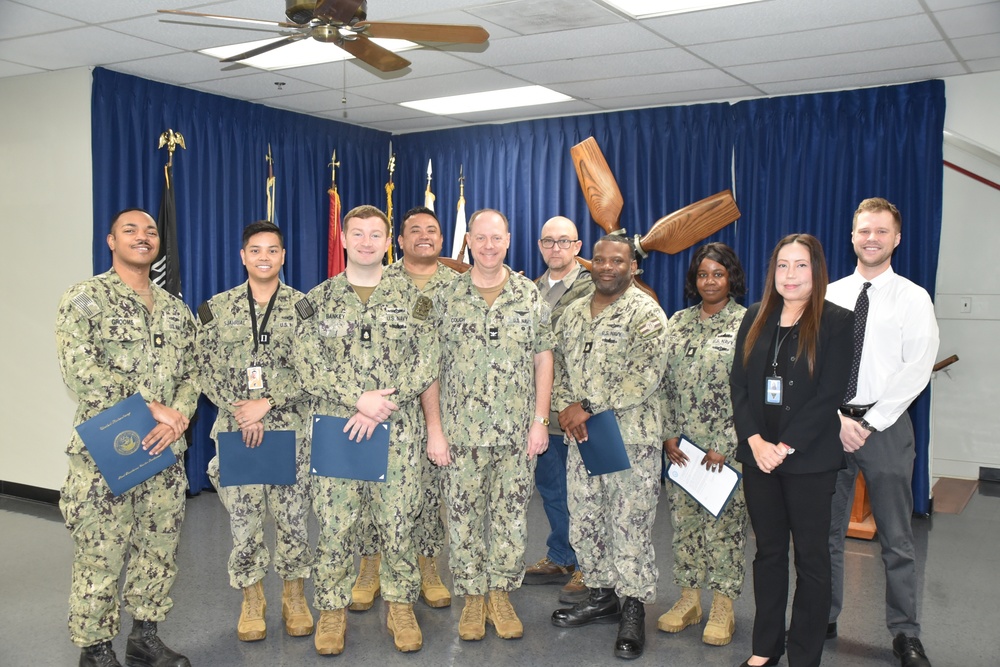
(255,379)
(772,390)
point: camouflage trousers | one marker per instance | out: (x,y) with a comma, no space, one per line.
(709,552)
(428,527)
(337,504)
(248,505)
(611,522)
(143,523)
(487,490)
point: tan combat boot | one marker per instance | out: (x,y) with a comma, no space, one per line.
(295,610)
(251,626)
(432,590)
(501,614)
(330,632)
(403,627)
(472,624)
(685,612)
(367,586)
(721,622)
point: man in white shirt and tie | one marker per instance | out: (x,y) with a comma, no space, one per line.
(896,341)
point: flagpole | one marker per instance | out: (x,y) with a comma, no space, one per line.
(335,248)
(165,270)
(270,184)
(460,224)
(389,187)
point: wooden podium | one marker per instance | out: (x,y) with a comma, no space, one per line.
(862,523)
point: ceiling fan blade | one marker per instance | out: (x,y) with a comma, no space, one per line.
(377,56)
(263,49)
(279,24)
(695,222)
(426,32)
(599,186)
(337,11)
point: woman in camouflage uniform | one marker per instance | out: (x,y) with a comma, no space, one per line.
(708,552)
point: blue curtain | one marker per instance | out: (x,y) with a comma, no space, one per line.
(804,162)
(801,163)
(220,185)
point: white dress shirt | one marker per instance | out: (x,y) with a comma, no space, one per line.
(901,343)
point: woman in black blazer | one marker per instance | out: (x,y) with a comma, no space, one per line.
(792,361)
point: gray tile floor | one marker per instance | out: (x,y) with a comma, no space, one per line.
(959,585)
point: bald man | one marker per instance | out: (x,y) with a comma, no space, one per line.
(563,282)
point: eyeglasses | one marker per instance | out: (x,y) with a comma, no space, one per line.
(562,243)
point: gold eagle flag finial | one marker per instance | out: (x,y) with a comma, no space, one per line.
(171,140)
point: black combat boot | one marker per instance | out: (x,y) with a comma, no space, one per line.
(601,607)
(631,630)
(145,649)
(99,655)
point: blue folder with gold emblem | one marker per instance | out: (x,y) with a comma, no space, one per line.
(334,455)
(114,440)
(270,462)
(603,451)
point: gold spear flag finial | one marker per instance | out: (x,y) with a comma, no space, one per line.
(333,164)
(171,140)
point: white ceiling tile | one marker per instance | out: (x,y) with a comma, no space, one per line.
(985,65)
(977,48)
(971,21)
(649,84)
(192,34)
(883,78)
(179,68)
(406,90)
(679,97)
(826,41)
(102,11)
(260,86)
(530,17)
(17,20)
(607,66)
(14,69)
(418,124)
(78,47)
(571,107)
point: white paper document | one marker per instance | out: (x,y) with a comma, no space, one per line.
(712,489)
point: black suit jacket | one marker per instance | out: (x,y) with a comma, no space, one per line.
(809,420)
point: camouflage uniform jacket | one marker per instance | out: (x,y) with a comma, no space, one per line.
(575,285)
(695,389)
(111,347)
(616,360)
(488,361)
(347,347)
(224,352)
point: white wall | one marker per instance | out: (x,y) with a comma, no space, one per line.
(965,415)
(47,204)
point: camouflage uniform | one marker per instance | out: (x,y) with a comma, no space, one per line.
(224,352)
(111,347)
(428,527)
(487,407)
(695,393)
(615,360)
(337,364)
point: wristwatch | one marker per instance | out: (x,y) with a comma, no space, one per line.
(270,400)
(865,425)
(585,404)
(544,421)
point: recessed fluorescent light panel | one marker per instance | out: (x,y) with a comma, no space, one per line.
(644,9)
(508,98)
(297,54)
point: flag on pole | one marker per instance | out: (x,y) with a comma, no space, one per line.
(458,250)
(335,247)
(428,195)
(389,187)
(270,192)
(166,269)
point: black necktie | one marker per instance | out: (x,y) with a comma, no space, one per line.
(860,318)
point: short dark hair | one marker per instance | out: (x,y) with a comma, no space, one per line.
(417,210)
(724,255)
(261,227)
(122,212)
(618,238)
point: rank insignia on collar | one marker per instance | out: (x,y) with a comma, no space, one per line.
(422,308)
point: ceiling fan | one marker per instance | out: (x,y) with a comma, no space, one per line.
(344,23)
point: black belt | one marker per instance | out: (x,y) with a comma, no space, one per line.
(855,411)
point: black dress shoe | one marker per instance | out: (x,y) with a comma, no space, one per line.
(99,655)
(631,630)
(146,649)
(601,607)
(910,651)
(771,662)
(831,630)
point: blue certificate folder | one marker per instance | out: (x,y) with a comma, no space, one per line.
(333,455)
(114,440)
(604,450)
(271,462)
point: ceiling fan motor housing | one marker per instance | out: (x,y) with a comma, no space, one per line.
(332,11)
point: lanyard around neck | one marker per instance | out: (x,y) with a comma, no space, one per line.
(263,321)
